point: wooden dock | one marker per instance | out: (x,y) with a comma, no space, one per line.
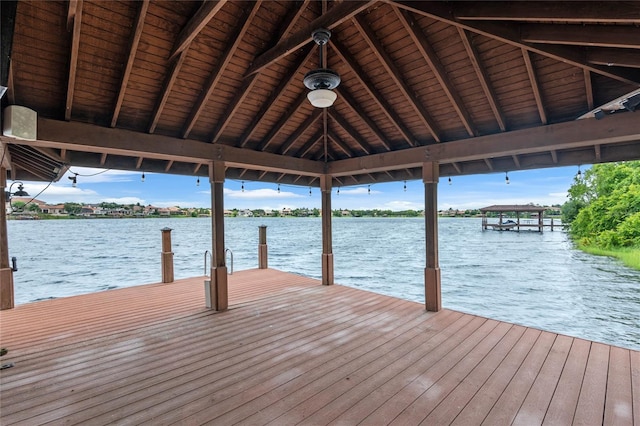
(291,351)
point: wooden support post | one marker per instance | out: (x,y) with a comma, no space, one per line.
(167,256)
(217,294)
(6,273)
(262,247)
(433,297)
(327,245)
(541,221)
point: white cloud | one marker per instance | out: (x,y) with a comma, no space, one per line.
(125,200)
(359,191)
(259,194)
(92,175)
(399,205)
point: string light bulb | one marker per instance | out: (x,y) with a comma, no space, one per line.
(278,188)
(369,189)
(338,193)
(198,182)
(579,175)
(242,187)
(74,181)
(309,191)
(449,180)
(405,186)
(142,177)
(506,177)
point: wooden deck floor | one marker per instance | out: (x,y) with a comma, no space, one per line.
(293,351)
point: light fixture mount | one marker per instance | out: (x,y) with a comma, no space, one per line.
(321,80)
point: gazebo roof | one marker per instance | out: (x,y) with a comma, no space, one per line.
(513,208)
(168,86)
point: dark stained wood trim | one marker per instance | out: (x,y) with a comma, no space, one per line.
(233,107)
(381,102)
(310,121)
(588,87)
(196,169)
(206,92)
(71,13)
(266,106)
(334,17)
(373,127)
(364,146)
(613,57)
(483,77)
(283,120)
(544,11)
(133,49)
(430,56)
(457,167)
(533,79)
(395,75)
(207,11)
(488,162)
(168,166)
(622,37)
(139,162)
(597,151)
(516,161)
(73,56)
(103,158)
(554,156)
(304,149)
(340,144)
(170,80)
(450,13)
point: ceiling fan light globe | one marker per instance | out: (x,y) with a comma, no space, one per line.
(322,98)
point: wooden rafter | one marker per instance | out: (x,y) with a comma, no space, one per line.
(364,146)
(170,80)
(206,92)
(373,127)
(483,78)
(457,167)
(533,79)
(598,152)
(379,99)
(71,13)
(278,126)
(207,11)
(554,156)
(196,169)
(133,49)
(509,33)
(139,162)
(340,144)
(103,158)
(275,95)
(334,17)
(395,74)
(73,57)
(588,87)
(310,121)
(544,11)
(441,74)
(311,142)
(516,161)
(622,37)
(489,163)
(169,165)
(613,57)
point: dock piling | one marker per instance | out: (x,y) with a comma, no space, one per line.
(262,247)
(167,256)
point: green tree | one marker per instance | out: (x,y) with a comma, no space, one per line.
(73,208)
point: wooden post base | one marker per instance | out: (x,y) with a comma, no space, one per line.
(327,268)
(6,289)
(433,299)
(216,291)
(262,256)
(167,267)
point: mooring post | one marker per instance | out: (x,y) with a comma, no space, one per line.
(167,256)
(6,273)
(262,247)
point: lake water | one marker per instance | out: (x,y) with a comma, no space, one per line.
(527,278)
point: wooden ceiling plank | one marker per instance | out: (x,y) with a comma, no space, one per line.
(340,144)
(508,33)
(170,80)
(622,37)
(207,11)
(278,126)
(304,149)
(537,94)
(373,127)
(310,121)
(50,154)
(275,95)
(334,17)
(545,11)
(73,57)
(395,74)
(430,56)
(133,49)
(364,146)
(483,77)
(378,98)
(34,170)
(235,104)
(235,39)
(588,89)
(613,57)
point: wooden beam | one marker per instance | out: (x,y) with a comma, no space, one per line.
(234,41)
(597,152)
(139,162)
(73,136)
(169,81)
(364,146)
(207,11)
(557,11)
(5,156)
(334,17)
(622,37)
(103,158)
(614,129)
(430,56)
(535,87)
(588,87)
(516,161)
(395,74)
(73,57)
(613,57)
(488,162)
(483,77)
(293,138)
(509,33)
(280,124)
(168,166)
(378,98)
(304,149)
(340,144)
(457,167)
(197,168)
(373,127)
(71,13)
(133,49)
(554,156)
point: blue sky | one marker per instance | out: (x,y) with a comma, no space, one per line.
(543,186)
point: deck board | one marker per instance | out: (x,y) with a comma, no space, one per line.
(289,351)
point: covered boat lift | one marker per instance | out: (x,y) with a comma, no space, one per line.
(515,209)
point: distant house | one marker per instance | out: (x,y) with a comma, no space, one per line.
(163,211)
(286,212)
(245,213)
(345,213)
(53,209)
